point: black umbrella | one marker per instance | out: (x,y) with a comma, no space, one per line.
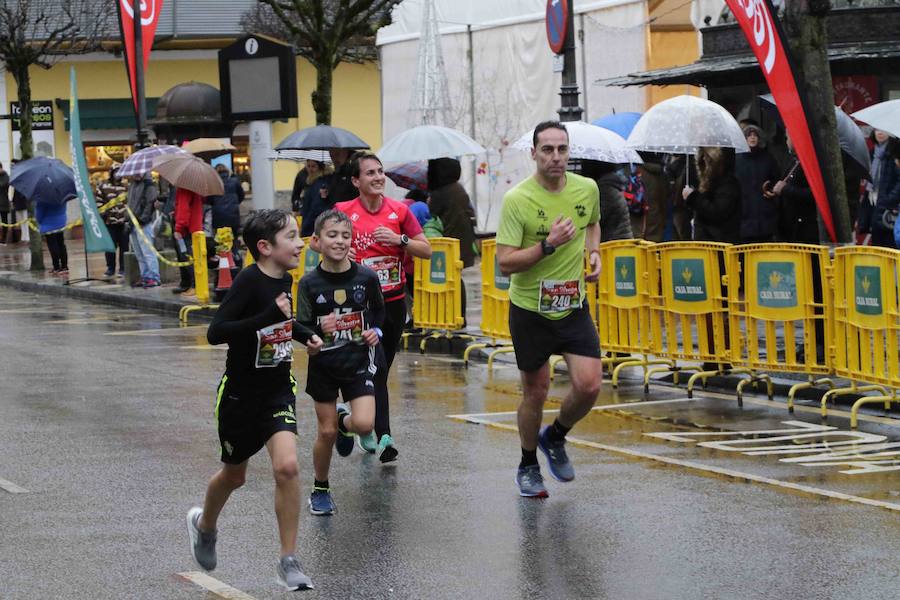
(321,137)
(853,142)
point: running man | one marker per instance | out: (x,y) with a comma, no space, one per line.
(348,296)
(256,397)
(546,223)
(384,231)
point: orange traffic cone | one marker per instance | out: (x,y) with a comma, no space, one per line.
(225,264)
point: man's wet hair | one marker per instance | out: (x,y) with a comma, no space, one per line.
(332,214)
(264,225)
(357,158)
(544,126)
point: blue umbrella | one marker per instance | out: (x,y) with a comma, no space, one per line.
(410,176)
(43,179)
(621,123)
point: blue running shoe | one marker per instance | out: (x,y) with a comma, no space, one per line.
(367,443)
(321,503)
(560,466)
(344,440)
(531,482)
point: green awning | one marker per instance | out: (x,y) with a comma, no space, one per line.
(106,113)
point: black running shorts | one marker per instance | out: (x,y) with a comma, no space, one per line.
(323,386)
(247,420)
(535,338)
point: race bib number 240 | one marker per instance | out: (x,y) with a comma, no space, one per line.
(559,296)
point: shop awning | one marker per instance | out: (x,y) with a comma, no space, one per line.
(105,113)
(742,68)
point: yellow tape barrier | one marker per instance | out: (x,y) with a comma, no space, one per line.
(149,243)
(32,224)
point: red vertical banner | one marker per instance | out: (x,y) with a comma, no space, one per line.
(769,45)
(149,15)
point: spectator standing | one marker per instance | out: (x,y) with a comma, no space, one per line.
(188,219)
(20,208)
(51,220)
(341,188)
(450,203)
(759,214)
(316,199)
(116,220)
(297,190)
(226,209)
(142,198)
(5,207)
(615,221)
(658,192)
(887,194)
(716,201)
(797,213)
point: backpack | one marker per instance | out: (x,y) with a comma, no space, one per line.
(635,194)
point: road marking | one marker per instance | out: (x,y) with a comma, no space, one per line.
(161,331)
(219,589)
(730,473)
(12,488)
(98,319)
(598,408)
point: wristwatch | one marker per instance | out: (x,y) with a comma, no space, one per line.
(404,240)
(547,248)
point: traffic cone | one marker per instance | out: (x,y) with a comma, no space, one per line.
(223,284)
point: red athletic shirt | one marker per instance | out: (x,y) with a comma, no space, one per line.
(385,260)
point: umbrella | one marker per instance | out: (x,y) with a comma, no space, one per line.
(683,124)
(141,162)
(321,156)
(589,142)
(622,123)
(884,116)
(426,142)
(208,147)
(190,173)
(410,176)
(853,142)
(321,137)
(43,179)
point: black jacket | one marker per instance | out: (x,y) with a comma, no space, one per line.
(226,209)
(759,215)
(797,214)
(4,191)
(142,196)
(341,188)
(717,213)
(314,204)
(450,202)
(615,221)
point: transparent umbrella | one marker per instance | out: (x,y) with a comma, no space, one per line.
(426,142)
(684,124)
(590,142)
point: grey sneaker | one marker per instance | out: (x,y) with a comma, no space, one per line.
(367,443)
(560,465)
(291,576)
(531,482)
(203,544)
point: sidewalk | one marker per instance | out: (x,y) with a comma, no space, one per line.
(15,262)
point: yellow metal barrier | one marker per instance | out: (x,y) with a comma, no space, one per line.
(867,325)
(494,306)
(437,303)
(786,299)
(201,278)
(309,260)
(692,306)
(625,323)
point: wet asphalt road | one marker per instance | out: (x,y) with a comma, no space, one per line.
(106,420)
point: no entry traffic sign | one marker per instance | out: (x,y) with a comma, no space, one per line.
(557,24)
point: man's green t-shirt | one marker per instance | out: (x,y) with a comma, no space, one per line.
(555,285)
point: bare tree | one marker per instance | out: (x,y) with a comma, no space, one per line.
(36,33)
(326,33)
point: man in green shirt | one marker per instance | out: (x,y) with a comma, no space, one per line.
(546,223)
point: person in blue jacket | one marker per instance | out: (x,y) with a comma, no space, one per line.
(51,219)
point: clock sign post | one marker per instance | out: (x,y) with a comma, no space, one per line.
(561,37)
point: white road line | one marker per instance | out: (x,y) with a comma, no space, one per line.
(215,586)
(12,488)
(161,331)
(637,404)
(730,473)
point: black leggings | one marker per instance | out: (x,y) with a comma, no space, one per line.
(56,243)
(119,234)
(394,320)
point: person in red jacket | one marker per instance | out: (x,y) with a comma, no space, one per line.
(188,219)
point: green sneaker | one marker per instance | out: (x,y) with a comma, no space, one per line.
(367,443)
(386,451)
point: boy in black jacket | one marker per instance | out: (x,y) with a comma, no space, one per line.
(256,396)
(344,297)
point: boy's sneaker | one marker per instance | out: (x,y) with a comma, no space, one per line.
(290,574)
(367,443)
(321,504)
(344,440)
(560,466)
(531,482)
(386,451)
(151,283)
(203,544)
